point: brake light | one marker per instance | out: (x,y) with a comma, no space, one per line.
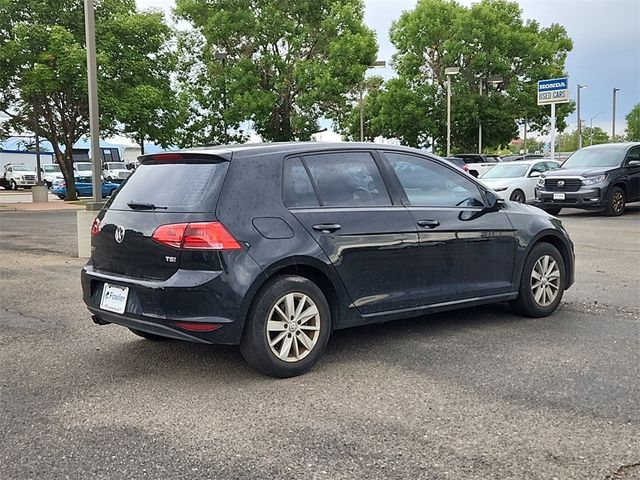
(95,227)
(196,236)
(166,157)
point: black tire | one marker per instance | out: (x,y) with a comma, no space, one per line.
(148,336)
(553,210)
(526,303)
(13,185)
(518,196)
(255,346)
(109,179)
(617,202)
(62,197)
(473,173)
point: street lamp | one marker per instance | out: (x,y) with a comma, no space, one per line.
(222,56)
(613,121)
(580,87)
(591,127)
(448,72)
(376,64)
(493,82)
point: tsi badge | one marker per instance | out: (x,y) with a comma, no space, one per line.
(170,259)
(119,235)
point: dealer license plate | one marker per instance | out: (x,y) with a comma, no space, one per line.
(114,298)
(558,196)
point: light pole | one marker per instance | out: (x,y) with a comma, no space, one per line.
(613,119)
(376,64)
(490,81)
(92,81)
(580,87)
(591,127)
(448,72)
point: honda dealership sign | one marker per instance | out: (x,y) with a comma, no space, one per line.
(555,90)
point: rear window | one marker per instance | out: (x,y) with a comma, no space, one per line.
(189,186)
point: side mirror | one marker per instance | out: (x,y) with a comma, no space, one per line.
(493,201)
(535,174)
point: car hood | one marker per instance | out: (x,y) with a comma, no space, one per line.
(577,172)
(499,182)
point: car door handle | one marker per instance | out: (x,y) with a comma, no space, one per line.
(429,223)
(327,227)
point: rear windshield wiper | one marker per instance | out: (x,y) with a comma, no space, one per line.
(144,206)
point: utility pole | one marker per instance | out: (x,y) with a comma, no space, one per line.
(92,80)
(613,119)
(480,123)
(448,72)
(580,87)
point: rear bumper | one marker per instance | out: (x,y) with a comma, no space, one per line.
(585,198)
(156,306)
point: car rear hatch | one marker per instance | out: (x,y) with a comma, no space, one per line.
(166,189)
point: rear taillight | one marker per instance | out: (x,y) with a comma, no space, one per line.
(198,327)
(196,236)
(466,167)
(95,227)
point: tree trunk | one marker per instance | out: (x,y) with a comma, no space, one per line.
(65,160)
(141,143)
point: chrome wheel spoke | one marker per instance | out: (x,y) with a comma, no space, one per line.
(276,326)
(308,314)
(309,327)
(286,347)
(306,341)
(278,338)
(289,306)
(538,295)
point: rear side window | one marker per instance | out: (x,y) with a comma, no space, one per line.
(298,190)
(179,186)
(347,179)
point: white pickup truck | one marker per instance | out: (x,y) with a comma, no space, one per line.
(18,175)
(478,164)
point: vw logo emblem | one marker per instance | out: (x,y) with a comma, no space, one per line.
(119,235)
(561,183)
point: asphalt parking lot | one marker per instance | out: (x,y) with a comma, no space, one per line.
(479,393)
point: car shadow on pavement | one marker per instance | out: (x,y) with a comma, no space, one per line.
(176,359)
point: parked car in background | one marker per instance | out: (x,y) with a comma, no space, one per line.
(332,236)
(17,175)
(84,188)
(517,158)
(517,180)
(458,162)
(600,177)
(50,172)
(478,164)
(115,171)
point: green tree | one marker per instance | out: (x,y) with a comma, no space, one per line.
(488,40)
(43,80)
(633,124)
(282,64)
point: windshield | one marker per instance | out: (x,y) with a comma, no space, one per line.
(596,157)
(21,168)
(507,170)
(51,168)
(115,166)
(83,167)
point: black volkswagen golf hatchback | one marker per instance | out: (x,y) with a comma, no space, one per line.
(274,246)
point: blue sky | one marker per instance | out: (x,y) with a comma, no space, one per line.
(606,50)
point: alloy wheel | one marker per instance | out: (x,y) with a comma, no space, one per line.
(293,327)
(545,280)
(618,202)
